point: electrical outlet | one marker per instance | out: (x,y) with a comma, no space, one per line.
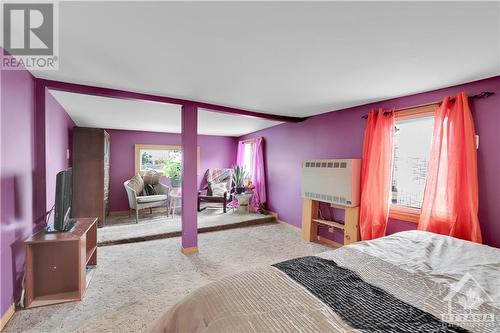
(67,154)
(477,141)
(330,230)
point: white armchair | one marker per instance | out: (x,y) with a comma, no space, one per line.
(136,201)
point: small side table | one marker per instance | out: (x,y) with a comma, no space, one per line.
(243,201)
(175,196)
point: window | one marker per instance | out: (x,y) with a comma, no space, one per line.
(412,143)
(158,157)
(247,158)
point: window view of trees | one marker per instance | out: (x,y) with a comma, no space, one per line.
(168,161)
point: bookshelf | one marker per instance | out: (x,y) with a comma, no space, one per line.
(310,222)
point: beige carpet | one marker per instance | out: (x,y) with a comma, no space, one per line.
(135,283)
(124,229)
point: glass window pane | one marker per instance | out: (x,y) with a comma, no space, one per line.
(412,143)
(247,158)
(156,159)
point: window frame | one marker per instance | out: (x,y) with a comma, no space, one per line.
(399,212)
(139,147)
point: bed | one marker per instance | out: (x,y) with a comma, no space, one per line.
(412,281)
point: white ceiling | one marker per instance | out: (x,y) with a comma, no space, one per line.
(112,113)
(288,58)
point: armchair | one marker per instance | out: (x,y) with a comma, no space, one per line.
(218,186)
(136,200)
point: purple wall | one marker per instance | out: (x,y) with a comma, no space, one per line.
(331,135)
(340,135)
(58,138)
(17,167)
(215,152)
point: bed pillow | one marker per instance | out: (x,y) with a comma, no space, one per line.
(218,189)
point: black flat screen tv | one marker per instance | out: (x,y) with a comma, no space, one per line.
(62,205)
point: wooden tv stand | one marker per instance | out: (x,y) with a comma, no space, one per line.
(56,264)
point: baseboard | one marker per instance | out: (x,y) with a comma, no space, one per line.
(190,250)
(7,315)
(294,228)
(118,213)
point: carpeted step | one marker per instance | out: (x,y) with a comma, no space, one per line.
(242,224)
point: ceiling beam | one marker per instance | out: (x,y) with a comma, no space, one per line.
(131,95)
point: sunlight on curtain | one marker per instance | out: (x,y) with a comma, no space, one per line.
(450,205)
(247,158)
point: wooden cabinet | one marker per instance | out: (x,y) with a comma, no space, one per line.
(91,158)
(59,266)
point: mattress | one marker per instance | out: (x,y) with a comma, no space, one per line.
(411,281)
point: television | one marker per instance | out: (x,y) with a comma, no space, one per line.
(62,205)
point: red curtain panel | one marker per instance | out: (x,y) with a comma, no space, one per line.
(376,172)
(450,204)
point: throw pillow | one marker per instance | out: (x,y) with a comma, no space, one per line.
(159,188)
(149,190)
(218,189)
(151,177)
(136,184)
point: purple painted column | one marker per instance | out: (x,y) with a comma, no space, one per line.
(40,206)
(189,218)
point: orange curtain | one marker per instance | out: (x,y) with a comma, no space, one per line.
(376,172)
(450,202)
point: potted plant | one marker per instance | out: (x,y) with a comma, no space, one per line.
(173,170)
(239,175)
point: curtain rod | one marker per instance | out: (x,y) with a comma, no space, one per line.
(484,94)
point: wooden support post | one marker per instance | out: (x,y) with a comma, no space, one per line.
(309,227)
(351,229)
